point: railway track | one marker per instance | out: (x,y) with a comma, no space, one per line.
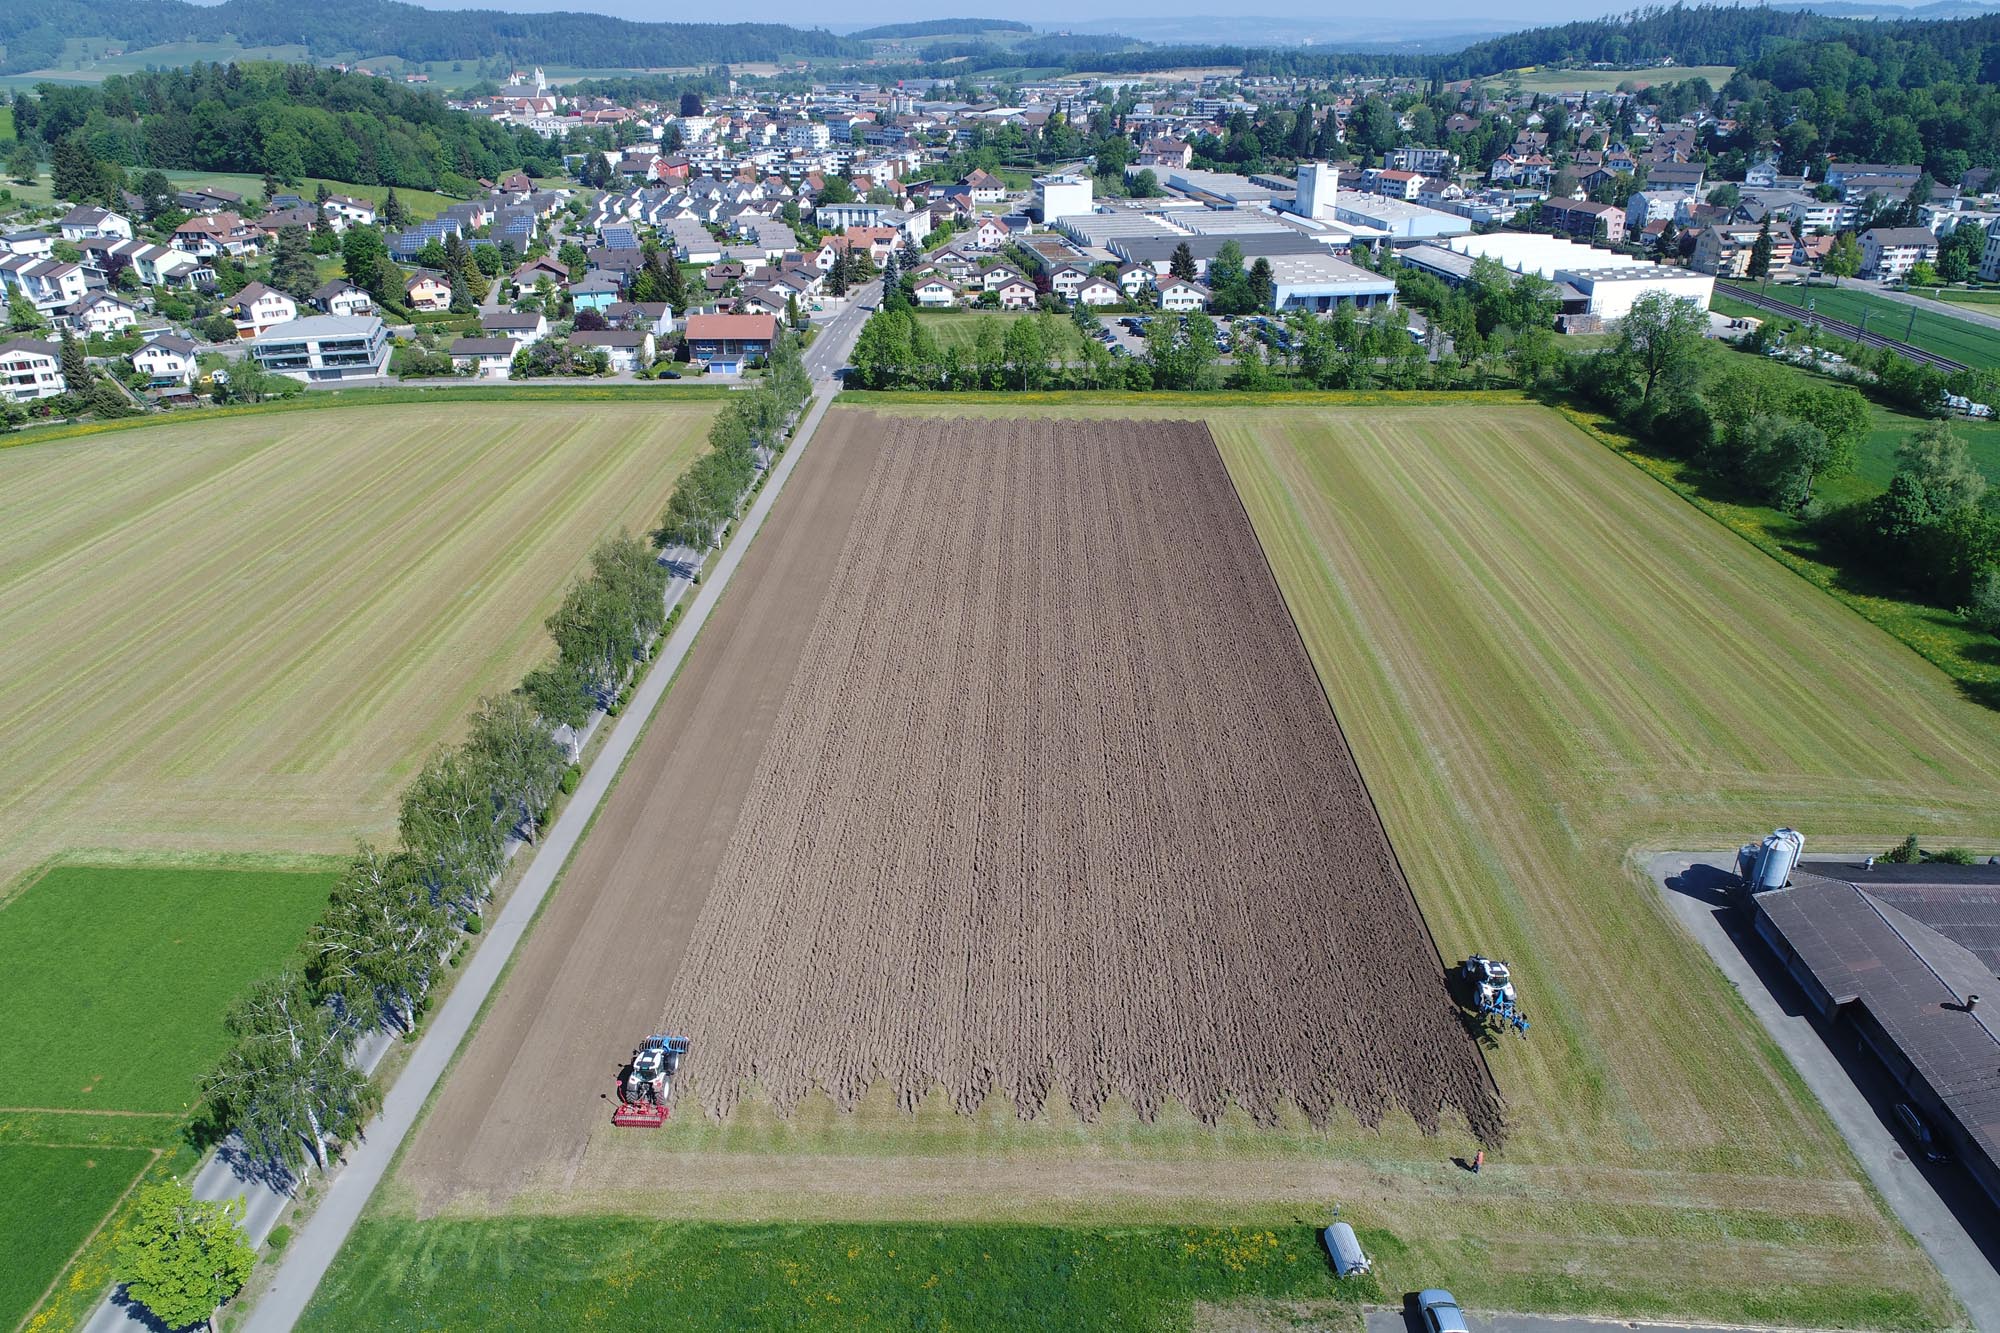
(1839,328)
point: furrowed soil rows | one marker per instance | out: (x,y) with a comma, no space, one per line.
(1054,804)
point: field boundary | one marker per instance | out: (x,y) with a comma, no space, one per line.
(322,399)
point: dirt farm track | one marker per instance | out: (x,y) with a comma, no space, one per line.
(1002,771)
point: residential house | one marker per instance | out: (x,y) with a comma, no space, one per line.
(1134,278)
(726,343)
(519,327)
(1098,292)
(207,235)
(1889,253)
(935,293)
(984,188)
(1178,295)
(207,200)
(102,315)
(30,370)
(155,265)
(1015,293)
(345,211)
(1651,206)
(1390,183)
(166,360)
(1584,219)
(596,291)
(1066,280)
(629,349)
(525,278)
(427,293)
(29,243)
(990,233)
(341,297)
(1681,178)
(486,358)
(258,308)
(46,284)
(325,349)
(87,223)
(1726,251)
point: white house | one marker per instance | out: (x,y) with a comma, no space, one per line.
(344,211)
(1989,259)
(1015,294)
(990,234)
(629,349)
(519,327)
(486,358)
(1098,292)
(1181,296)
(103,314)
(1067,280)
(428,292)
(984,188)
(30,370)
(1890,253)
(259,308)
(166,360)
(87,223)
(29,243)
(341,297)
(1134,278)
(935,294)
(46,284)
(324,349)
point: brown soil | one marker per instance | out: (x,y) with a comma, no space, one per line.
(1003,770)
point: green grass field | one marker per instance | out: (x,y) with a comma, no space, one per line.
(242,634)
(581,1273)
(1933,330)
(1537,653)
(421,203)
(958,328)
(51,1199)
(114,983)
(1979,296)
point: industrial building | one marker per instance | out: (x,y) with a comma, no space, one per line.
(1594,285)
(1062,196)
(1901,957)
(1397,218)
(1320,282)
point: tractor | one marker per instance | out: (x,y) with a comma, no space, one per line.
(1490,986)
(647,1082)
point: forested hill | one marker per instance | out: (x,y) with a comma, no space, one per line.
(939,28)
(33,32)
(294,122)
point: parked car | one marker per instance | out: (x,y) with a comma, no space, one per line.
(1438,1309)
(1918,1127)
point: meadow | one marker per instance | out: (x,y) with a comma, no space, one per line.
(241,635)
(113,984)
(1545,664)
(51,1200)
(1544,80)
(1936,331)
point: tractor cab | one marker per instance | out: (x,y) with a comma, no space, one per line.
(647,1082)
(1489,986)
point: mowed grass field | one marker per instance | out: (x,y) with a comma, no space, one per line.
(1542,80)
(1538,654)
(1936,331)
(243,635)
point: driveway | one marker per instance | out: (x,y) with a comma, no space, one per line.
(1939,1205)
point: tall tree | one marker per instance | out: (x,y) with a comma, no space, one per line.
(1760,252)
(75,367)
(182,1258)
(394,214)
(449,823)
(366,260)
(1661,333)
(286,1084)
(293,270)
(381,940)
(1182,264)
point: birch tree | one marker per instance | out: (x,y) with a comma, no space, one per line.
(381,941)
(449,825)
(523,760)
(286,1084)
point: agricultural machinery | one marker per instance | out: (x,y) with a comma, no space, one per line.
(1490,986)
(646,1084)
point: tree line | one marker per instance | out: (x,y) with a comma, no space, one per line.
(288,1084)
(751,427)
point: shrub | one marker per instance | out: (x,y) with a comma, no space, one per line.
(1953,856)
(280,1237)
(473,925)
(1904,852)
(571,776)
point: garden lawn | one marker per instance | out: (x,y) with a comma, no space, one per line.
(1935,331)
(51,1199)
(114,980)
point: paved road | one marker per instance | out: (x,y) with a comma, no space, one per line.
(1399,1321)
(313,1249)
(1931,1201)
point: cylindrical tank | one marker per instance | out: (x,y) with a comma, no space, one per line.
(1345,1250)
(1776,858)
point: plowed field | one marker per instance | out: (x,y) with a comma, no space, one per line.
(1055,802)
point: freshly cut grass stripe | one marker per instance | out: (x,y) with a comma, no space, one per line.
(113,981)
(244,638)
